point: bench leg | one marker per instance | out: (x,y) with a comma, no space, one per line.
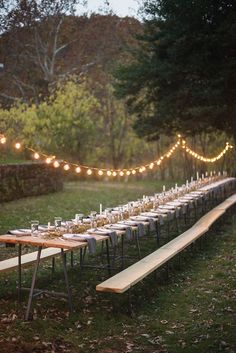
(33,284)
(130,306)
(63,257)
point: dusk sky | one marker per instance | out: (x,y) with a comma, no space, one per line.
(119,7)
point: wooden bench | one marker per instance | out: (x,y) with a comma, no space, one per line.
(27,259)
(127,278)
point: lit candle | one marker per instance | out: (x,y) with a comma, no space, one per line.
(164,188)
(100,208)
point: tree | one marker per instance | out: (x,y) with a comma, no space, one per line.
(183,77)
(36,35)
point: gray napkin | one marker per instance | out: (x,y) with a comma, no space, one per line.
(152,225)
(128,230)
(113,237)
(80,237)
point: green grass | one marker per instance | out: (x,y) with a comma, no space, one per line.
(193,311)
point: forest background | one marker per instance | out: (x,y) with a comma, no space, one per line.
(61,92)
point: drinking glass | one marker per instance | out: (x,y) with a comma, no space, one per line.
(57,222)
(34,226)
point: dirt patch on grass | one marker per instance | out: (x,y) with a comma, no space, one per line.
(57,346)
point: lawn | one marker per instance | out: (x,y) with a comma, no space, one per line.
(193,311)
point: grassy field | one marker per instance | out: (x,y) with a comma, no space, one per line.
(193,311)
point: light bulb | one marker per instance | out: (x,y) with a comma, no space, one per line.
(89,172)
(56,164)
(3,140)
(78,170)
(36,155)
(18,145)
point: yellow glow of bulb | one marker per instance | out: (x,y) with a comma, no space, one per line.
(56,164)
(100,172)
(48,160)
(114,174)
(128,172)
(3,140)
(109,173)
(66,167)
(121,173)
(133,171)
(78,170)
(89,172)
(18,145)
(36,155)
(151,165)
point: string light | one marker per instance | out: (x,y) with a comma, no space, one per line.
(36,155)
(56,164)
(77,170)
(18,145)
(3,140)
(180,143)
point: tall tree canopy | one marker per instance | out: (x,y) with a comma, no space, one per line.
(183,77)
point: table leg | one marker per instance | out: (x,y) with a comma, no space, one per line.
(122,252)
(108,258)
(19,273)
(33,283)
(63,257)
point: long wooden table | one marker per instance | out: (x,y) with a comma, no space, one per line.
(40,242)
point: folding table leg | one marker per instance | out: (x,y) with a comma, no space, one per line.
(122,251)
(19,273)
(33,284)
(137,244)
(108,258)
(63,257)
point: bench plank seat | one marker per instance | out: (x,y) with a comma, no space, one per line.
(27,259)
(127,278)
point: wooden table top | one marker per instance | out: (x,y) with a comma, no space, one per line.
(48,243)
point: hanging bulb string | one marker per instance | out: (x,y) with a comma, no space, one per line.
(78,168)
